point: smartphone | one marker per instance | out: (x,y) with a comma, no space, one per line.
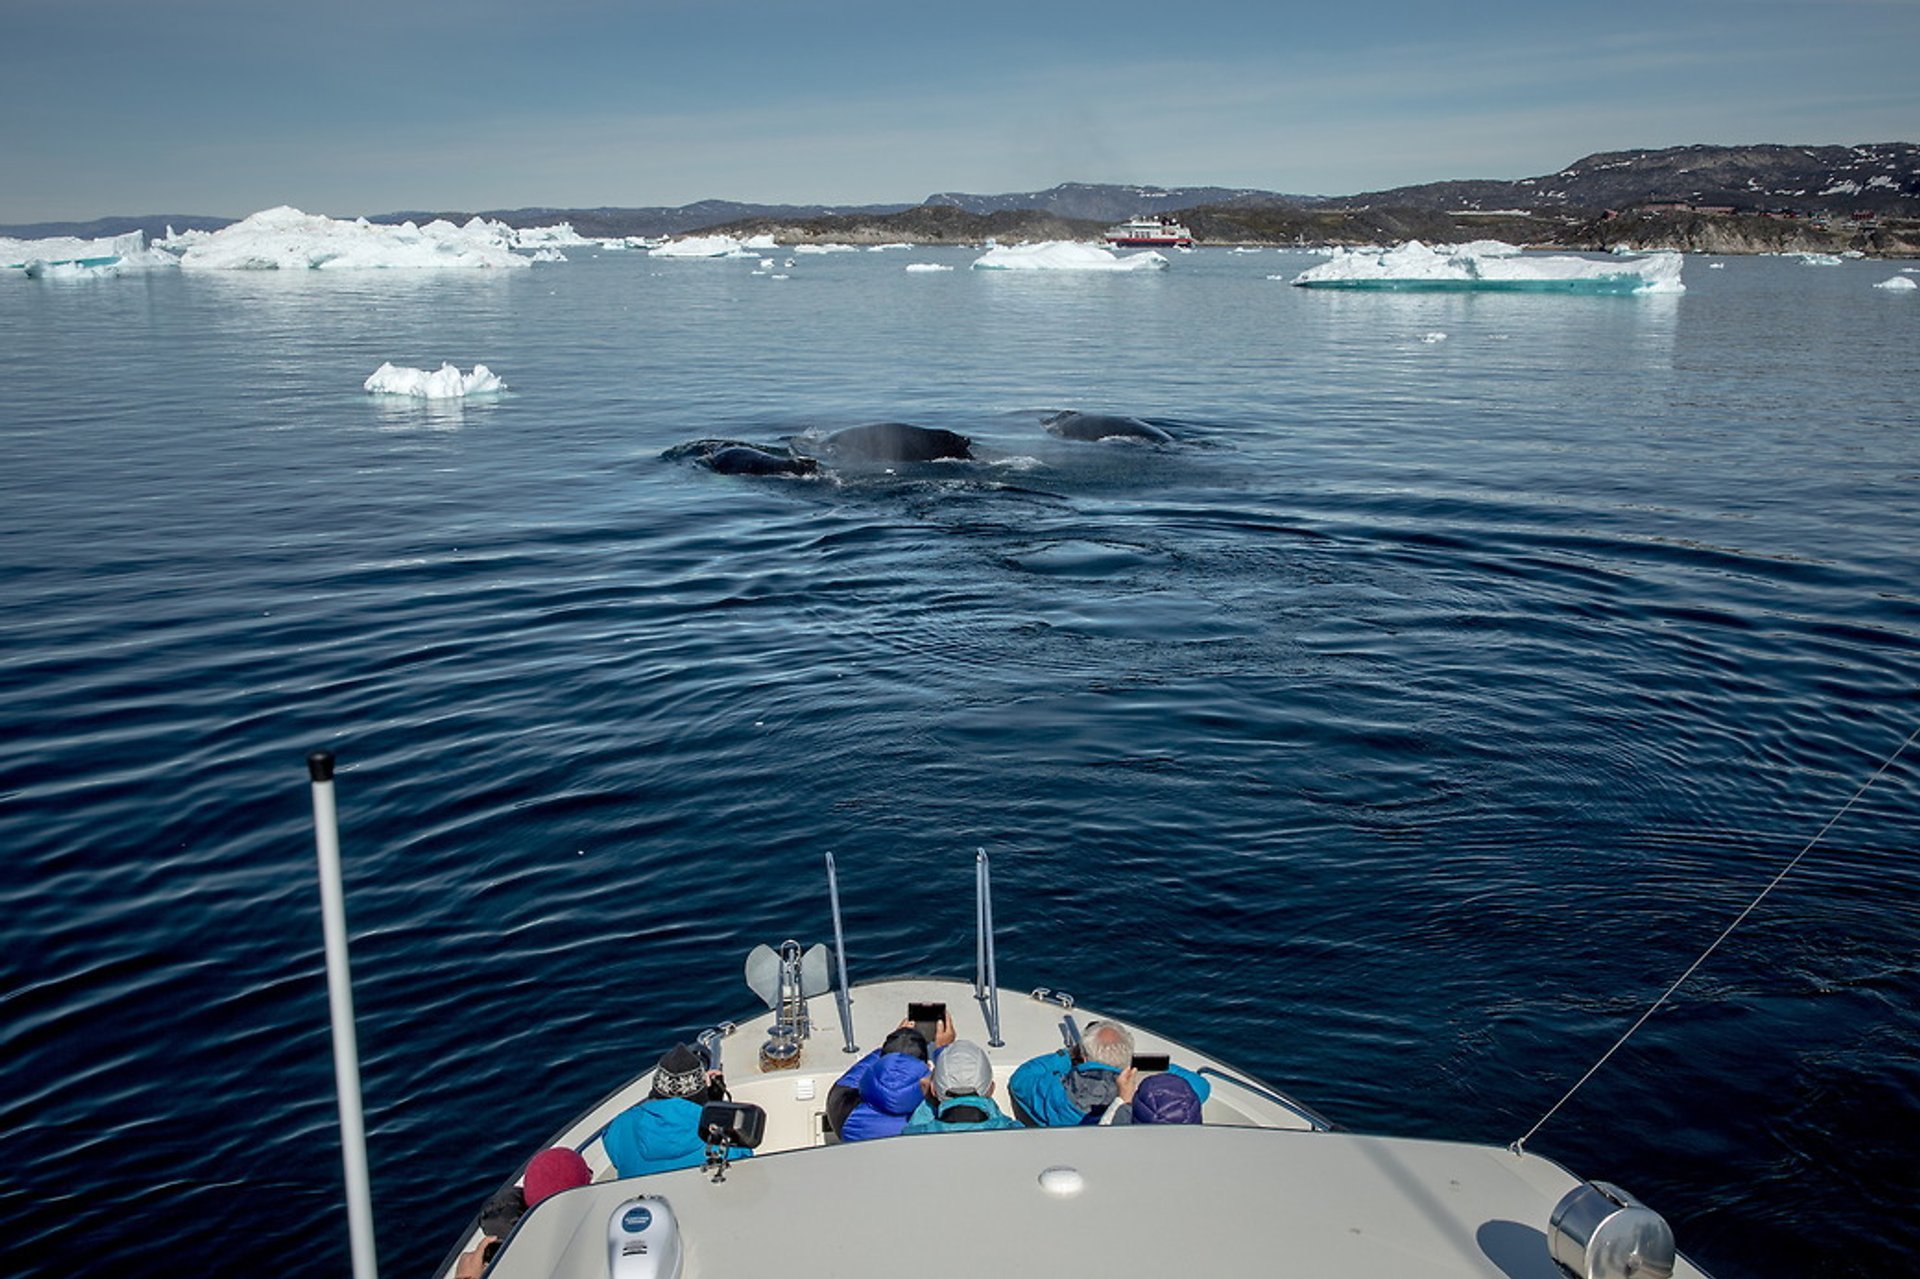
(1150,1061)
(926,1019)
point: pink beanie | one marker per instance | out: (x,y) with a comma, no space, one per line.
(553,1170)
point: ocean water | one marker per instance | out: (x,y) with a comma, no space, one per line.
(1400,733)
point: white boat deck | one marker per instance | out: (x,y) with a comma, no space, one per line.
(1261,1188)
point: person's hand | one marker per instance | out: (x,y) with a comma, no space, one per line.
(1129,1080)
(473,1262)
(944,1036)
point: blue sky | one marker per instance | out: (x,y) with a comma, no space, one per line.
(349,106)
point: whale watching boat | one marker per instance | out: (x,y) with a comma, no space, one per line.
(1150,232)
(1261,1185)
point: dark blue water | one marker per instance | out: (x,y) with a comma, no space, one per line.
(1400,734)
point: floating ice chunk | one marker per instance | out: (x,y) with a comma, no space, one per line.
(882,248)
(285,239)
(703,246)
(547,254)
(1431,338)
(823,248)
(1415,266)
(66,257)
(1898,284)
(759,243)
(1716,266)
(560,234)
(1064,255)
(449,383)
(928,266)
(1819,259)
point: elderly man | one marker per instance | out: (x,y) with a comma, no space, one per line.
(1060,1091)
(959,1094)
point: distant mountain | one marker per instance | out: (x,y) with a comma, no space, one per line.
(1110,203)
(1881,178)
(924,224)
(1877,179)
(153,224)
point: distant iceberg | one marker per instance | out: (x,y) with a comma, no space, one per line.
(65,257)
(1064,255)
(823,248)
(1898,284)
(285,239)
(703,246)
(928,266)
(559,235)
(1490,266)
(449,383)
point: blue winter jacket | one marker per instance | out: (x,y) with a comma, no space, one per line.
(928,1119)
(889,1085)
(658,1135)
(1039,1088)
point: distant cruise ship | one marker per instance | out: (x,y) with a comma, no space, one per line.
(1154,232)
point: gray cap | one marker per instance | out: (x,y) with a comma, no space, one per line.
(961,1070)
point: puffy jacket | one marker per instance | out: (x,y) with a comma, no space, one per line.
(1051,1091)
(928,1118)
(658,1135)
(889,1092)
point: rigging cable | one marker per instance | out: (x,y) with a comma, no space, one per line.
(1518,1147)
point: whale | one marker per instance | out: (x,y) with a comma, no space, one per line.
(736,457)
(1072,425)
(895,442)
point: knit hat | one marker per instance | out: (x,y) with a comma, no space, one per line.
(680,1073)
(553,1170)
(1165,1099)
(504,1207)
(907,1040)
(962,1070)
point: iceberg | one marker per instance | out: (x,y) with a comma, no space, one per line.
(66,257)
(703,246)
(559,235)
(1064,255)
(928,266)
(285,239)
(1490,266)
(449,383)
(823,248)
(1898,284)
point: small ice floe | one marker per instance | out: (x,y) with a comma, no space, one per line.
(928,266)
(882,248)
(559,235)
(448,383)
(1431,338)
(703,246)
(823,248)
(759,243)
(1064,255)
(547,254)
(1898,284)
(1716,266)
(1490,266)
(1819,259)
(285,239)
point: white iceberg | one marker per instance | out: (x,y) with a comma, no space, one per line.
(1819,259)
(760,243)
(1064,255)
(285,239)
(1898,284)
(928,266)
(559,235)
(823,248)
(448,383)
(703,246)
(1414,266)
(67,257)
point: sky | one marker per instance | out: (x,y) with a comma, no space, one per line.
(348,107)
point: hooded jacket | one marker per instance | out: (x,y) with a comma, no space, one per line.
(658,1135)
(955,1114)
(1054,1091)
(889,1093)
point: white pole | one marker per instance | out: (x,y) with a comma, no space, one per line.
(346,1051)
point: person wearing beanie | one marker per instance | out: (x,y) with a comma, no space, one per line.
(548,1173)
(554,1169)
(1165,1099)
(663,1132)
(959,1094)
(1061,1089)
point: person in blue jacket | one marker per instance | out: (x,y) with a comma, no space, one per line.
(878,1092)
(1058,1091)
(959,1094)
(663,1132)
